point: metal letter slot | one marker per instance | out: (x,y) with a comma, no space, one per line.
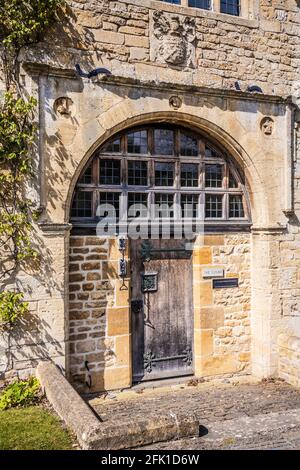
(225,283)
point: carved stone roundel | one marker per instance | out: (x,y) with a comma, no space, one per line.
(267,125)
(63,106)
(175,102)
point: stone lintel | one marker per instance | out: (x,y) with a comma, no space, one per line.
(53,229)
(268,229)
(36,68)
(43,69)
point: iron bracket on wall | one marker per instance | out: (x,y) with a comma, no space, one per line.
(89,383)
(148,252)
(150,359)
(92,73)
(122,263)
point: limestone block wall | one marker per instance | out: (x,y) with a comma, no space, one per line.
(42,334)
(99,315)
(99,330)
(222,316)
(289,359)
(218,49)
(261,49)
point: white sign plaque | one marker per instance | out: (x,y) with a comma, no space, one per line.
(213,272)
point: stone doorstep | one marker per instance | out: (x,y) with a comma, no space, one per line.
(139,433)
(92,434)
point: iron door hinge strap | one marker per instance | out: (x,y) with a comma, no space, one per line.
(150,359)
(147,251)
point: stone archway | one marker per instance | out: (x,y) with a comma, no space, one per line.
(259,203)
(101,357)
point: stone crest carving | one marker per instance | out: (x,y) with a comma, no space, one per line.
(173,39)
(281,15)
(62,106)
(267,125)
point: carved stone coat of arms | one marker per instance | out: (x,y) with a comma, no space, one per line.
(173,39)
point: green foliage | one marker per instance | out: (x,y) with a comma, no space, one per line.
(20,393)
(17,135)
(12,307)
(16,132)
(23,22)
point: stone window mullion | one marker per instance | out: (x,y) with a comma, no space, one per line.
(215,5)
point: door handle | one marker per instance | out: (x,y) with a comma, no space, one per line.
(137,306)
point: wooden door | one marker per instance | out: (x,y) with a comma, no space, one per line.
(162,309)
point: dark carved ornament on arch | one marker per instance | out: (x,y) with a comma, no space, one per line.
(267,125)
(175,102)
(173,39)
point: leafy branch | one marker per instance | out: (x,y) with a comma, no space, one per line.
(22,23)
(12,307)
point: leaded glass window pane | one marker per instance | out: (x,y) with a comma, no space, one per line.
(113,146)
(213,206)
(210,152)
(231,7)
(170,168)
(163,142)
(137,142)
(82,204)
(213,176)
(189,175)
(138,204)
(189,205)
(164,174)
(175,2)
(137,173)
(110,171)
(112,201)
(86,178)
(188,146)
(205,4)
(164,205)
(236,208)
(232,181)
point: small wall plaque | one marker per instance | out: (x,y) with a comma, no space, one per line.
(225,283)
(213,272)
(149,282)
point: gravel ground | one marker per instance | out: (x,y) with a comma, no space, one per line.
(233,414)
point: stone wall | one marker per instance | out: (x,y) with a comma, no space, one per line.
(213,50)
(289,359)
(98,316)
(42,334)
(213,53)
(222,316)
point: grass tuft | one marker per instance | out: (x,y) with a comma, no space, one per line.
(32,428)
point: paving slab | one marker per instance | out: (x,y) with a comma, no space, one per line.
(234,414)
